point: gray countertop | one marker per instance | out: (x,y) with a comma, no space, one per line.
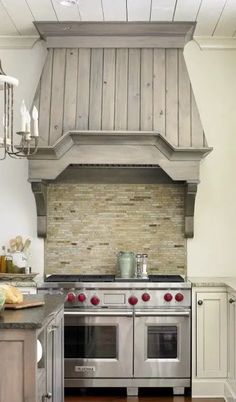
(33,317)
(213,281)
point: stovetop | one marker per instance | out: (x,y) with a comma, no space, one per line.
(113,278)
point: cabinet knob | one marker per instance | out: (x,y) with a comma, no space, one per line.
(200,302)
(48,395)
(231,300)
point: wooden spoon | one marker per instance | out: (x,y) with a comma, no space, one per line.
(26,245)
(19,243)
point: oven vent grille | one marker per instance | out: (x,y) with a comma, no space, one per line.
(113,165)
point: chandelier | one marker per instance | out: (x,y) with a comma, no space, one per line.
(28,144)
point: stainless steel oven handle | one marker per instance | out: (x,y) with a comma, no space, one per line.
(162,314)
(99,313)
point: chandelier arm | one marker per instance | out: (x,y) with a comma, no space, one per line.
(10,148)
(4,155)
(4,117)
(12,105)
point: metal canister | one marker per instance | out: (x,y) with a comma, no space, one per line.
(139,266)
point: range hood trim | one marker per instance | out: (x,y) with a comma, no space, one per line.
(120,147)
(120,138)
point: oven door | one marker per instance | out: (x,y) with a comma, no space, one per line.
(162,344)
(98,344)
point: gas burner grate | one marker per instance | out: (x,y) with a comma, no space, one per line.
(166,278)
(80,278)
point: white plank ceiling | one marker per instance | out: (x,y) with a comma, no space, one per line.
(215,18)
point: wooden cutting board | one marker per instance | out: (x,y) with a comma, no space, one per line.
(24,304)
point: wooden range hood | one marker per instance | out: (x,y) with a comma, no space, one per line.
(117,94)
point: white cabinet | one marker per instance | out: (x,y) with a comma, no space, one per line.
(232,341)
(211,334)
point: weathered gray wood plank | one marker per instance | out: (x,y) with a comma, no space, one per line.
(120,28)
(83,89)
(95,104)
(146,89)
(134,90)
(159,91)
(45,99)
(11,359)
(108,104)
(121,89)
(70,101)
(197,130)
(118,42)
(172,95)
(57,96)
(184,104)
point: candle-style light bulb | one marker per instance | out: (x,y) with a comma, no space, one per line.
(28,120)
(23,112)
(35,116)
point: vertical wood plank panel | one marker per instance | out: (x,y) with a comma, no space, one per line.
(83,89)
(57,100)
(121,89)
(108,105)
(11,358)
(134,90)
(146,89)
(197,130)
(172,95)
(184,104)
(96,76)
(70,100)
(45,100)
(159,91)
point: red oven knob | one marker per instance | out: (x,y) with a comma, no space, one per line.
(71,297)
(168,297)
(95,300)
(81,297)
(179,297)
(146,297)
(133,300)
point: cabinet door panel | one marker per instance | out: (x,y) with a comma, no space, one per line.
(58,361)
(211,335)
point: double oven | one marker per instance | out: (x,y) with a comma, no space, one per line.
(128,335)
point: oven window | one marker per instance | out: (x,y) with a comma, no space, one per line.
(91,342)
(162,342)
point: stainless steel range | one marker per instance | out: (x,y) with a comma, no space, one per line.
(126,333)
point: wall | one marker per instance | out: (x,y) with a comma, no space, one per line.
(212,74)
(88,224)
(17,205)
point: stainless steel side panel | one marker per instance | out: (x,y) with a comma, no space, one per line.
(162,368)
(127,382)
(122,366)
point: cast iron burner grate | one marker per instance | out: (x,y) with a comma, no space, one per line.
(111,278)
(80,278)
(166,278)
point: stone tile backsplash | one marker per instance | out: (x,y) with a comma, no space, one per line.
(89,223)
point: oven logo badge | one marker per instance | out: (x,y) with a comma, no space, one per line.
(85,369)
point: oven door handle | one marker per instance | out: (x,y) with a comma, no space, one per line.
(162,313)
(99,313)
